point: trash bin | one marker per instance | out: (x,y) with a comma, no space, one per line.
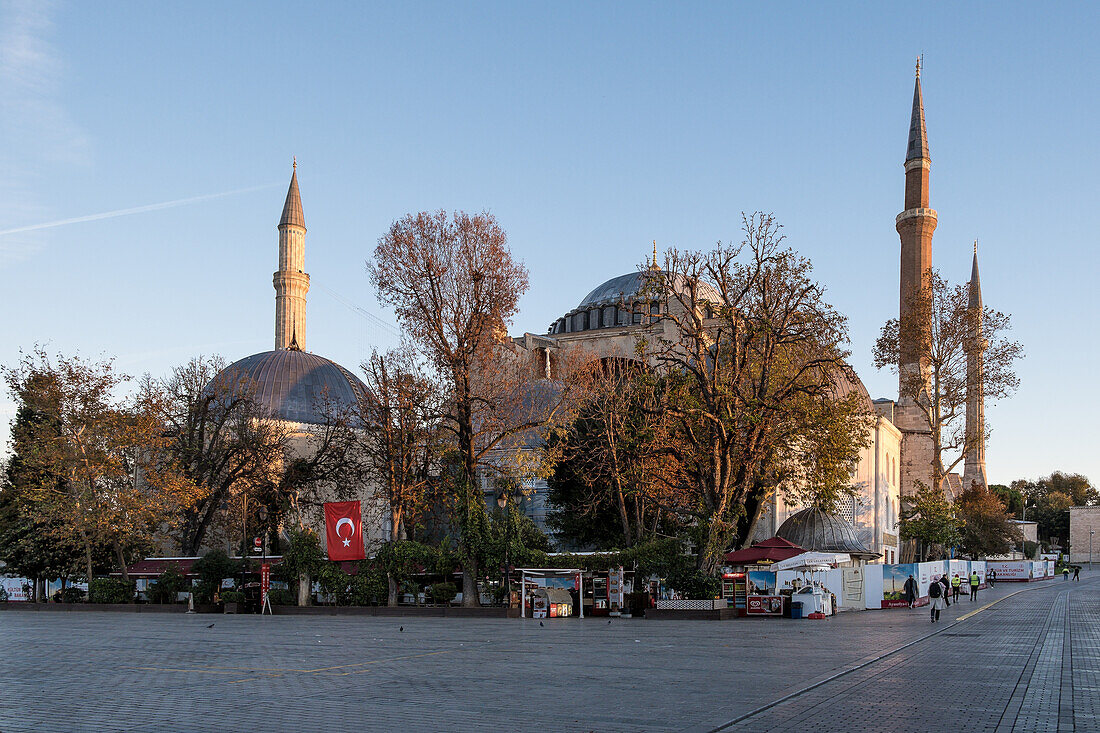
(796,609)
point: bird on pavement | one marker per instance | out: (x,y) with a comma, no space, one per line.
(400,628)
(211,626)
(540,623)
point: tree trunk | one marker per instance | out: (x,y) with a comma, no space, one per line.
(88,563)
(470,597)
(391,599)
(304,586)
(122,563)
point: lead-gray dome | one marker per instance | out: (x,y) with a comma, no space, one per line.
(819,531)
(296,386)
(625,287)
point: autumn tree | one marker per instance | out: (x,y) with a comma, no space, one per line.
(454,286)
(1047,501)
(100,474)
(219,437)
(929,517)
(752,355)
(986,528)
(941,322)
(605,465)
(400,434)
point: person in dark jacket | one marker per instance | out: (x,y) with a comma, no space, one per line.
(945,585)
(1077,573)
(910,591)
(936,593)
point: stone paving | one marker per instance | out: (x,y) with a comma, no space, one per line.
(1030,662)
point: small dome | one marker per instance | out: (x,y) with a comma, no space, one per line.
(296,386)
(820,531)
(627,286)
(847,382)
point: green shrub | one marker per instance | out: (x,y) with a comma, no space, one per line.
(443,592)
(72,595)
(233,596)
(167,585)
(110,590)
(281,597)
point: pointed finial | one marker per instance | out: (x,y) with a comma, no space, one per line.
(975,247)
(655,251)
(919,59)
(296,157)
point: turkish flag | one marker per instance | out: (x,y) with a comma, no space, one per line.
(344,530)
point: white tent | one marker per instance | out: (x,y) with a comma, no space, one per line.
(809,561)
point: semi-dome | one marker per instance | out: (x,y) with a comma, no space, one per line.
(819,531)
(295,386)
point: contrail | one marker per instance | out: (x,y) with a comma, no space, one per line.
(134,210)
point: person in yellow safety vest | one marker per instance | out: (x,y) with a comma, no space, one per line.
(955,583)
(975,581)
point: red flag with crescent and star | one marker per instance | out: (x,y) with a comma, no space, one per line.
(344,531)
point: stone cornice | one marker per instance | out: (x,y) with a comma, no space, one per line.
(917,213)
(918,163)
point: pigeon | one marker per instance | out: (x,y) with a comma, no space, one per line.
(608,622)
(540,623)
(211,626)
(400,628)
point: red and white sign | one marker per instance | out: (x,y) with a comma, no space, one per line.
(765,605)
(14,587)
(344,531)
(265,583)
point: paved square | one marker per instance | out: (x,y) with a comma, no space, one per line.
(1030,662)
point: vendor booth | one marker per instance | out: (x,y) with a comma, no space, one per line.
(810,598)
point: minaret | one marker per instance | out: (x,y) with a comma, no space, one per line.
(974,464)
(291,282)
(915,225)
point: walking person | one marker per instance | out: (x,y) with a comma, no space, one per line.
(991,578)
(910,591)
(956,584)
(945,587)
(975,581)
(1065,572)
(1077,573)
(936,594)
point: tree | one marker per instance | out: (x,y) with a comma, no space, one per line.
(219,437)
(94,465)
(752,355)
(605,467)
(1047,501)
(400,442)
(454,286)
(986,527)
(942,324)
(930,519)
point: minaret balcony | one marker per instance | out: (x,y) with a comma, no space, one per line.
(917,213)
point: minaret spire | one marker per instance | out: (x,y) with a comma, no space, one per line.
(974,462)
(915,225)
(290,281)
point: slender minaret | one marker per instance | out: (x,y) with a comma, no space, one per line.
(974,464)
(915,226)
(291,282)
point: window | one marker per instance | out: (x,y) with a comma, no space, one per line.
(847,509)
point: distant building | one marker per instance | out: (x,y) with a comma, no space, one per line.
(1084,533)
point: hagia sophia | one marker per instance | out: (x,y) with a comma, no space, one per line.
(291,382)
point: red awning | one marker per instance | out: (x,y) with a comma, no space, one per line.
(773,549)
(151,567)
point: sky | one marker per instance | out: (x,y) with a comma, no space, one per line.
(145,151)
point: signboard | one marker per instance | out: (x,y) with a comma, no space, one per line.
(14,587)
(615,588)
(265,584)
(1011,569)
(765,605)
(257,544)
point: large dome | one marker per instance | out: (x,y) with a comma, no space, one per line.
(625,287)
(296,386)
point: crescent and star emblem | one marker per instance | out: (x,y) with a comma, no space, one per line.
(341,523)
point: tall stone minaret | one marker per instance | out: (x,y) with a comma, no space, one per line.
(974,463)
(915,225)
(291,282)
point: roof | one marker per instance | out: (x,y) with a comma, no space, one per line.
(975,283)
(292,208)
(627,286)
(152,567)
(820,531)
(773,549)
(918,136)
(295,386)
(554,595)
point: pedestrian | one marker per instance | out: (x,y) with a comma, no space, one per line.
(910,591)
(936,594)
(991,578)
(1077,573)
(944,587)
(1065,572)
(956,584)
(975,581)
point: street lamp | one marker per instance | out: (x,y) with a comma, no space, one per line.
(1091,532)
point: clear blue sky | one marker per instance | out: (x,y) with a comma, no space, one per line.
(588,131)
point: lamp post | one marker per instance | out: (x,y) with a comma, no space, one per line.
(502,502)
(1091,532)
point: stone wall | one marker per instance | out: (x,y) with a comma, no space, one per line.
(1082,519)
